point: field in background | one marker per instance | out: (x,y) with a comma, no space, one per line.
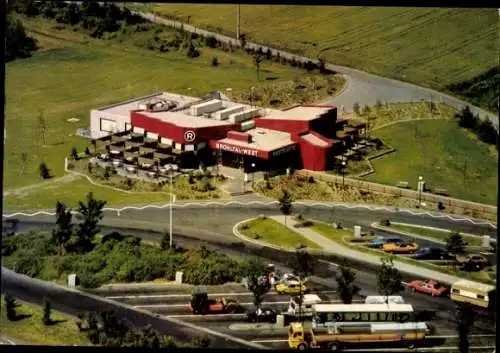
(447,157)
(74,73)
(433,47)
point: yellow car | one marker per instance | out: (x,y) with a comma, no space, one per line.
(400,247)
(290,288)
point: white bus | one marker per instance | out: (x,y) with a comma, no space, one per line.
(382,299)
(327,314)
(478,294)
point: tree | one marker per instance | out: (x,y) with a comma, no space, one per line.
(286,204)
(24,162)
(10,307)
(465,319)
(46,312)
(366,110)
(17,43)
(321,65)
(255,273)
(345,284)
(455,243)
(74,154)
(356,108)
(87,151)
(257,60)
(487,132)
(378,105)
(90,213)
(61,234)
(466,118)
(388,278)
(42,127)
(44,171)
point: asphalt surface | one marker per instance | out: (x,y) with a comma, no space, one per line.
(73,303)
(362,87)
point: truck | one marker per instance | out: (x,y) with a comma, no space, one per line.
(339,335)
(201,304)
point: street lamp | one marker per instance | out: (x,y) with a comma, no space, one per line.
(253,171)
(344,163)
(420,186)
(171,169)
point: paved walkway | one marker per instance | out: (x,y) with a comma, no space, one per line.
(333,247)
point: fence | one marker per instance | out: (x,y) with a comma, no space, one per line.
(463,207)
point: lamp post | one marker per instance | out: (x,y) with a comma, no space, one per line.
(420,186)
(253,171)
(343,173)
(171,168)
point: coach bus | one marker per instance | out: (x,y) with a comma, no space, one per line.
(341,334)
(326,314)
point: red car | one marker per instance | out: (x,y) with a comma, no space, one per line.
(429,286)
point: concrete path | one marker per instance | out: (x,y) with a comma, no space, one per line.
(361,86)
(333,247)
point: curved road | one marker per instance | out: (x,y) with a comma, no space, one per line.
(362,87)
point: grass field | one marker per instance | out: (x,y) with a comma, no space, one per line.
(441,235)
(272,232)
(446,156)
(433,47)
(31,330)
(74,73)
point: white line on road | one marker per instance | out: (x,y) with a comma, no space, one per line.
(158,296)
(248,303)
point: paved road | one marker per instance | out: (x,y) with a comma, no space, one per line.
(73,303)
(362,87)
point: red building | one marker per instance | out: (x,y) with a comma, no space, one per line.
(220,131)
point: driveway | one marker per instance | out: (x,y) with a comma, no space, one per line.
(362,87)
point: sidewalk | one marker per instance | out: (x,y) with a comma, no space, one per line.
(333,247)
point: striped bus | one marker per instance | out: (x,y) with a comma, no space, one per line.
(327,314)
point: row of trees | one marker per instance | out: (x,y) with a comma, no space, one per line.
(18,44)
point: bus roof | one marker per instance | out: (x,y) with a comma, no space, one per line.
(473,285)
(361,308)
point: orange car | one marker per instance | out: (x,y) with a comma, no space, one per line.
(400,247)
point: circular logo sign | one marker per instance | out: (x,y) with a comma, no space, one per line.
(189,136)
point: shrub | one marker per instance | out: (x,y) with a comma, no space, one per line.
(385,223)
(215,61)
(211,42)
(311,180)
(89,281)
(440,206)
(71,166)
(307,223)
(245,226)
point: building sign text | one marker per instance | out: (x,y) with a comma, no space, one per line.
(236,149)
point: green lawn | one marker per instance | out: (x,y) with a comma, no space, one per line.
(441,235)
(439,151)
(74,73)
(459,43)
(272,232)
(73,191)
(31,329)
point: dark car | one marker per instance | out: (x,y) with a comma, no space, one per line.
(432,254)
(261,315)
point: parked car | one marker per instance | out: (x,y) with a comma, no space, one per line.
(432,254)
(472,262)
(291,288)
(380,241)
(429,286)
(401,247)
(261,315)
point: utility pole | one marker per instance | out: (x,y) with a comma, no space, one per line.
(238,22)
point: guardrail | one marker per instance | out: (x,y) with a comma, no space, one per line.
(476,210)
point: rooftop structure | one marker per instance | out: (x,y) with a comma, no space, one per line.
(261,139)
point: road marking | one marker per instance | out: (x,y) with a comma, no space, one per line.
(209,315)
(151,296)
(248,303)
(269,341)
(425,349)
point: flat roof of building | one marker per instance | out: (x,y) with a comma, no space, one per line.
(124,108)
(185,119)
(300,113)
(263,139)
(315,140)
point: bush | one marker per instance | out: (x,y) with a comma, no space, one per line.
(385,223)
(89,281)
(307,223)
(211,42)
(440,206)
(215,61)
(311,180)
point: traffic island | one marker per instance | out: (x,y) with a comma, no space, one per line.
(267,231)
(28,326)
